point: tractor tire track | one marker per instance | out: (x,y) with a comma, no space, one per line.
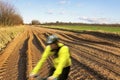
(94,56)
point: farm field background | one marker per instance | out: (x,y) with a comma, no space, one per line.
(106,29)
(95,55)
(90,28)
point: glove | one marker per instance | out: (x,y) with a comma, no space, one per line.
(33,75)
(51,78)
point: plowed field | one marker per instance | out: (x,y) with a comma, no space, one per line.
(95,56)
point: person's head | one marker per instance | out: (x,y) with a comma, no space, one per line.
(52,40)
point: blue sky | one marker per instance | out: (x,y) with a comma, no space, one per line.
(87,11)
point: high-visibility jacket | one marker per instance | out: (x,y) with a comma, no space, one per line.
(63,60)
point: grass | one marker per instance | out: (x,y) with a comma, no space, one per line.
(89,28)
(8,33)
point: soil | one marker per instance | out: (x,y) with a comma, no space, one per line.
(95,56)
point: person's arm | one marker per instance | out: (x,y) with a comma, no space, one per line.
(64,56)
(41,61)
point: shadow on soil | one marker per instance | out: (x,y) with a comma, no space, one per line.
(22,64)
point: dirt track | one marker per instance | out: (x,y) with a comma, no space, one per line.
(95,56)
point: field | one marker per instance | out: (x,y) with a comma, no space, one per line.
(107,29)
(95,55)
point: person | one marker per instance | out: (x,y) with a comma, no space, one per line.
(61,59)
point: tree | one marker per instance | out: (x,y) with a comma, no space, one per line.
(9,15)
(35,22)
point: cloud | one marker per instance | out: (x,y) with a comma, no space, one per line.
(50,12)
(62,12)
(29,4)
(64,1)
(94,20)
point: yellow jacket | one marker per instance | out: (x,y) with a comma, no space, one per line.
(63,60)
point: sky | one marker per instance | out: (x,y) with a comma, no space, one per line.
(83,11)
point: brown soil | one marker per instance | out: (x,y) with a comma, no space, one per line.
(95,56)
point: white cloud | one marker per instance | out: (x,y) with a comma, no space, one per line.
(64,1)
(50,12)
(79,4)
(95,20)
(62,12)
(29,4)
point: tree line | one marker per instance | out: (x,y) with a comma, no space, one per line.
(80,24)
(9,15)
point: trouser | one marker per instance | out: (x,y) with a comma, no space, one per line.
(64,74)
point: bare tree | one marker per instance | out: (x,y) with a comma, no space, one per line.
(9,15)
(35,22)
